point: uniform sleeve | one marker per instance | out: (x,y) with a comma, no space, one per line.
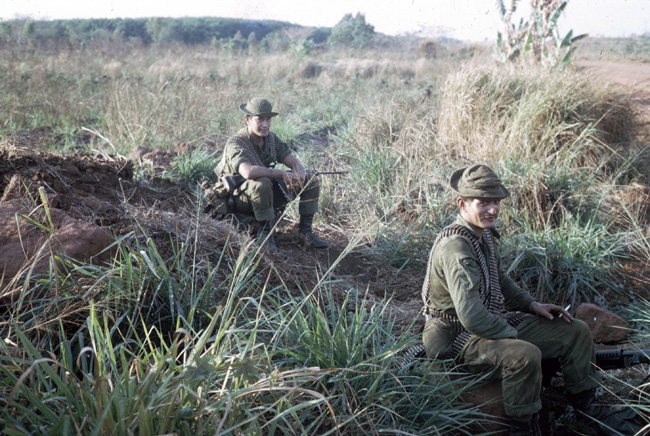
(235,155)
(515,297)
(282,150)
(462,272)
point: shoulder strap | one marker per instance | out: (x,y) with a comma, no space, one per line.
(252,154)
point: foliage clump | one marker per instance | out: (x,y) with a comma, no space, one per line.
(352,31)
(537,40)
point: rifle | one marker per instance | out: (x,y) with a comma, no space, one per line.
(615,359)
(605,360)
(234,182)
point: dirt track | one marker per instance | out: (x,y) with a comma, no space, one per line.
(633,76)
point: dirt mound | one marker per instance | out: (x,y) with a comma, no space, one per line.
(100,191)
(91,188)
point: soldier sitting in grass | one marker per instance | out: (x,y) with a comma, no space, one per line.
(477,315)
(253,154)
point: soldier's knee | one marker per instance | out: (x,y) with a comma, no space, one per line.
(531,355)
(312,182)
(580,331)
(525,356)
(581,327)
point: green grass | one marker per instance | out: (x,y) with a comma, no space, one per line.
(197,354)
(186,333)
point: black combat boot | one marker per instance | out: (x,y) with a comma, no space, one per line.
(307,234)
(611,420)
(265,237)
(521,428)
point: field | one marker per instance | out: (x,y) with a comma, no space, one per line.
(180,325)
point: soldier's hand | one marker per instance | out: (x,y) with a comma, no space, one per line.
(548,310)
(296,181)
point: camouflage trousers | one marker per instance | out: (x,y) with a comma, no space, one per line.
(517,362)
(261,197)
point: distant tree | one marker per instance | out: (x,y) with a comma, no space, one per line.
(275,42)
(352,31)
(7,31)
(155,29)
(239,41)
(252,43)
(252,39)
(132,29)
(28,30)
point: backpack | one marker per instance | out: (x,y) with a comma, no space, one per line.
(219,201)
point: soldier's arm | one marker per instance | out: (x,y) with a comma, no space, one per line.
(252,172)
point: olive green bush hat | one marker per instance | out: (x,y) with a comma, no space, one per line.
(477,181)
(258,107)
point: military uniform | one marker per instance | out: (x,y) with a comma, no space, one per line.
(491,343)
(259,197)
(477,315)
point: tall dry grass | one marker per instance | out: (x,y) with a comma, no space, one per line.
(401,124)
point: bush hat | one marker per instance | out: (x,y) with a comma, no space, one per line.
(478,181)
(258,107)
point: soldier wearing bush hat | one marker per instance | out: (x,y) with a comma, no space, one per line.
(251,156)
(476,314)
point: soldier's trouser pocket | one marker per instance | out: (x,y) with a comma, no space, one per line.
(256,197)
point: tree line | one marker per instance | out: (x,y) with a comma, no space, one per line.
(351,31)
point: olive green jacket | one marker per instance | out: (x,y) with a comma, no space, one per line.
(234,154)
(454,284)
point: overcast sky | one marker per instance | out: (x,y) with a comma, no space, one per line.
(464,19)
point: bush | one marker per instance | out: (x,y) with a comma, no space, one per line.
(352,31)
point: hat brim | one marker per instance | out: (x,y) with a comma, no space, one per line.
(499,194)
(263,114)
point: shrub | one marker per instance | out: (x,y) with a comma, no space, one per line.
(352,31)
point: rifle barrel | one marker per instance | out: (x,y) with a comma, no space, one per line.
(616,359)
(326,173)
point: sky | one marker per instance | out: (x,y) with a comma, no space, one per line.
(472,20)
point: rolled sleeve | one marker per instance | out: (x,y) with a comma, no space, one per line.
(282,149)
(235,155)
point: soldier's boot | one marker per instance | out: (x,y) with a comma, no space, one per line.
(265,236)
(529,428)
(307,234)
(611,420)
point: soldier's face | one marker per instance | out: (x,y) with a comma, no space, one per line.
(481,213)
(259,126)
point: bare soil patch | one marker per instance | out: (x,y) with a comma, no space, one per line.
(635,77)
(100,190)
